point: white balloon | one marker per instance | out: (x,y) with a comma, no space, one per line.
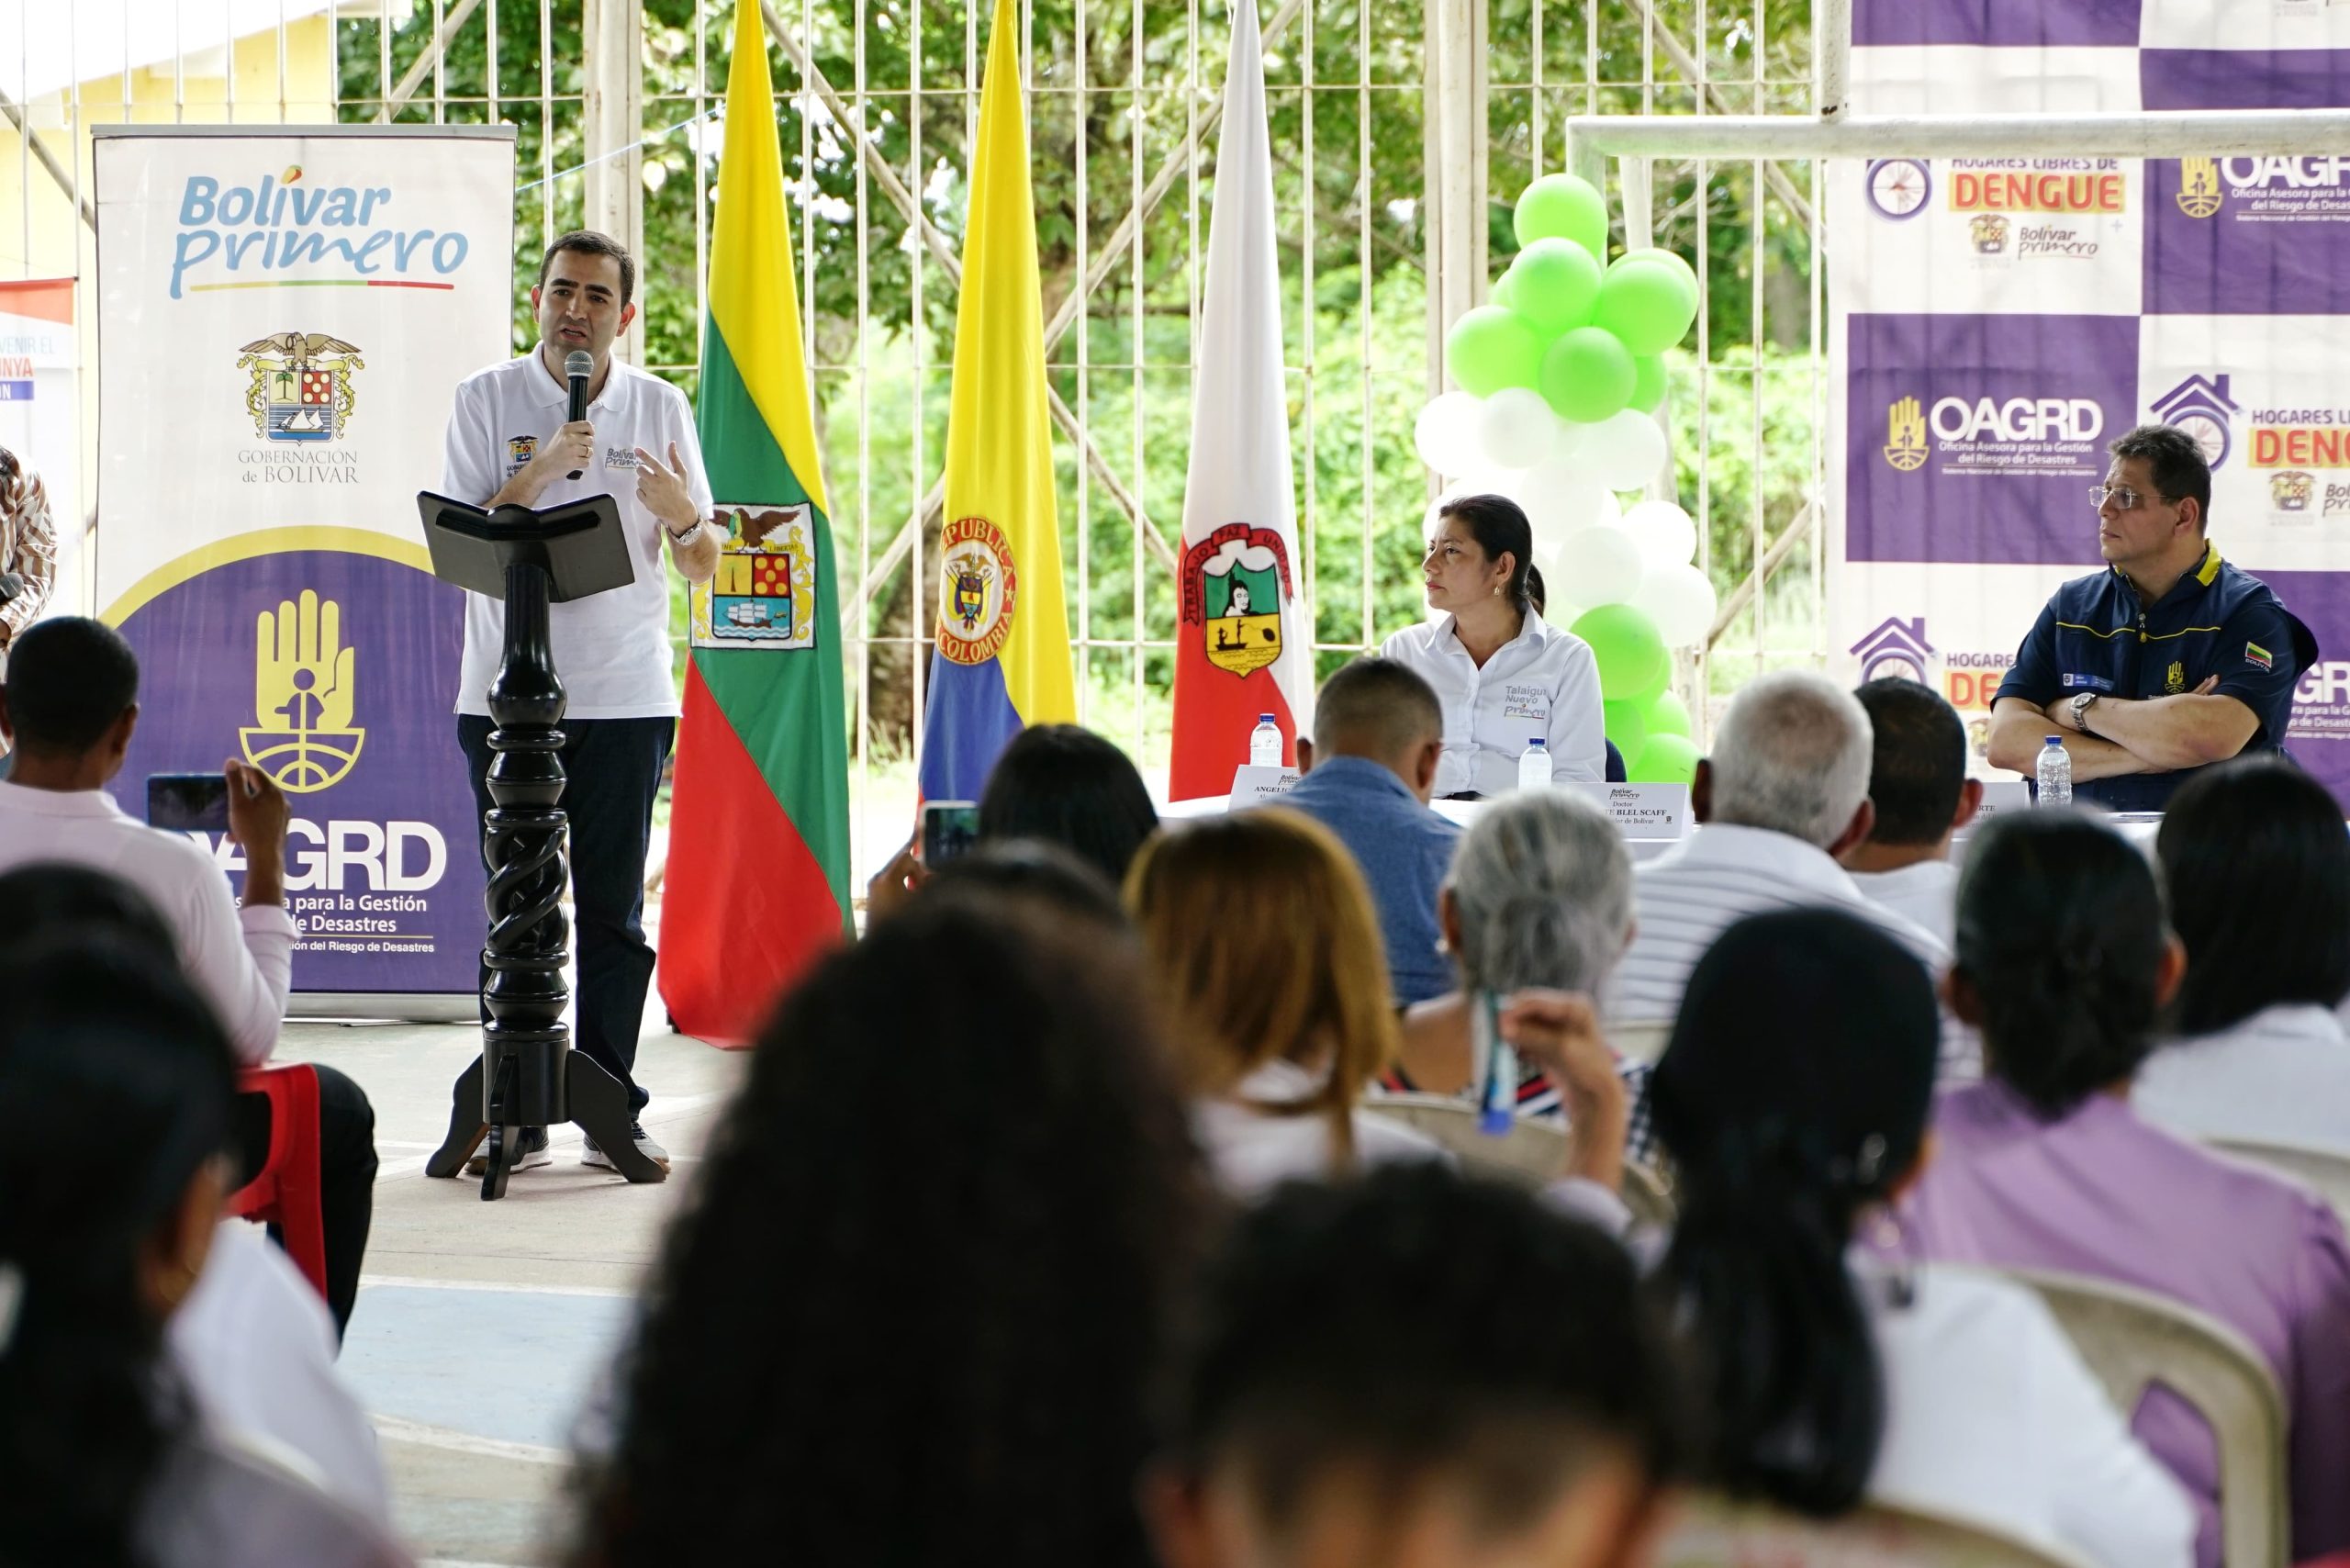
(1667,535)
(1599,565)
(1626,450)
(1446,433)
(1577,443)
(1682,602)
(1561,499)
(1517,428)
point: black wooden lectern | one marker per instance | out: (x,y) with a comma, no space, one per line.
(528,1075)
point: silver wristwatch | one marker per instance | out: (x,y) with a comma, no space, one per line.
(2081,706)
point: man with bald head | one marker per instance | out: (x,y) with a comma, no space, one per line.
(1378,731)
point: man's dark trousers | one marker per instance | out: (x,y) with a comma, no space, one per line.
(612,770)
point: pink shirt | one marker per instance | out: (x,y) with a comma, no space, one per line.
(2105,1193)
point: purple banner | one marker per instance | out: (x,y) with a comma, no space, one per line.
(1975,438)
(2003,23)
(2243,78)
(2247,236)
(333,672)
(2319,737)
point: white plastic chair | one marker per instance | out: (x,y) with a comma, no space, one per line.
(2322,1170)
(1713,1533)
(2133,1338)
(1528,1155)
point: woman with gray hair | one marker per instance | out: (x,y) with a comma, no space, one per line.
(1540,896)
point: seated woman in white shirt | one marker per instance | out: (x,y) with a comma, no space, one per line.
(1505,675)
(2255,870)
(113,1188)
(1269,969)
(1792,1099)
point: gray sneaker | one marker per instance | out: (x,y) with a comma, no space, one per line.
(591,1155)
(534,1153)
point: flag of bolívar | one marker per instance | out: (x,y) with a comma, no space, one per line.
(757,878)
(1003,656)
(1244,640)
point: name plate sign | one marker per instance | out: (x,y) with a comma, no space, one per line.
(1255,785)
(2003,795)
(1643,811)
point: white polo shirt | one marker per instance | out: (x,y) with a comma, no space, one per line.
(2280,1076)
(1541,682)
(1926,892)
(611,650)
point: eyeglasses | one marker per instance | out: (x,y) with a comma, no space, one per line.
(2124,498)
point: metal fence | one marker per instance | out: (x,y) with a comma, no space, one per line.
(1402,131)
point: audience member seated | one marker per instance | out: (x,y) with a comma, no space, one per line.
(2064,962)
(1061,784)
(911,1310)
(1378,731)
(1420,1372)
(1264,957)
(1921,796)
(111,1180)
(1540,895)
(1783,794)
(253,1341)
(69,706)
(1794,1100)
(2256,872)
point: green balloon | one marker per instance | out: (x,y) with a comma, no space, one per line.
(1586,375)
(1659,253)
(1633,665)
(1647,383)
(1626,724)
(1504,293)
(1666,759)
(1553,284)
(1490,348)
(1668,715)
(1646,304)
(1563,207)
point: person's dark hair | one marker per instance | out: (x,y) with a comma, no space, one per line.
(1794,1093)
(69,680)
(1377,707)
(2060,929)
(1498,524)
(1417,1322)
(935,1243)
(38,900)
(1030,869)
(1068,786)
(588,242)
(2176,458)
(1918,768)
(2255,870)
(124,1084)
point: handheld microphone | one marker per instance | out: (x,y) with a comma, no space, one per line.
(579,364)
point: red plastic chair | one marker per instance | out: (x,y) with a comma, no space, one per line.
(285,1193)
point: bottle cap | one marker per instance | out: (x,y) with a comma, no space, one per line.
(1537,741)
(1264,717)
(2055,740)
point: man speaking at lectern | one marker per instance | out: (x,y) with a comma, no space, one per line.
(511,442)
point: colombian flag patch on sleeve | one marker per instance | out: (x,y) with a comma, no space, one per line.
(2258,657)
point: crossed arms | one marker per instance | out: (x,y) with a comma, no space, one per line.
(2155,735)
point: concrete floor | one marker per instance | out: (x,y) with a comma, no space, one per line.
(482,1329)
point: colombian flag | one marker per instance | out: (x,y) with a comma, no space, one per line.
(758,881)
(1003,658)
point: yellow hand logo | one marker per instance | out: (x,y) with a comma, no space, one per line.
(1905,435)
(302,689)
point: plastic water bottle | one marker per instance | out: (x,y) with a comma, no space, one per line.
(1534,765)
(1497,1082)
(2056,773)
(1265,742)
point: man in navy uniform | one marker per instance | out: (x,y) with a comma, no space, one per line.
(2167,661)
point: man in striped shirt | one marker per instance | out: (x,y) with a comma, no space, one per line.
(1785,790)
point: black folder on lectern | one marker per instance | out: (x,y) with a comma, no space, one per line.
(580,545)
